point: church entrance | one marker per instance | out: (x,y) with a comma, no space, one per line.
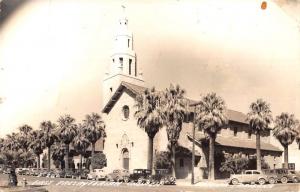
(125,158)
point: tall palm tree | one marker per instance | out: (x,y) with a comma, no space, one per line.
(211,117)
(66,133)
(81,143)
(57,153)
(24,139)
(94,129)
(259,117)
(286,131)
(174,109)
(36,145)
(149,118)
(49,137)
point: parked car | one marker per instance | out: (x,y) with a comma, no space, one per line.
(24,172)
(42,172)
(80,175)
(285,175)
(7,170)
(18,170)
(51,174)
(97,174)
(163,177)
(295,176)
(250,176)
(118,175)
(33,171)
(69,174)
(60,174)
(140,176)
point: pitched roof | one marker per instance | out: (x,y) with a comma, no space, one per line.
(135,90)
(237,142)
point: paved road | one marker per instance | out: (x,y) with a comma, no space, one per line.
(64,185)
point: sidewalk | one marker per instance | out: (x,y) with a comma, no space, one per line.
(202,183)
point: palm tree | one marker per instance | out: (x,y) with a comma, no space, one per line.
(211,117)
(94,129)
(149,118)
(66,133)
(285,131)
(57,153)
(36,145)
(81,143)
(174,109)
(259,117)
(24,139)
(49,137)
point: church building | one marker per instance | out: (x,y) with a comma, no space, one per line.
(126,143)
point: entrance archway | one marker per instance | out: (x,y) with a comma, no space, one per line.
(125,158)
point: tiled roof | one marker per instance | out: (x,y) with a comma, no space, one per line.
(135,89)
(238,143)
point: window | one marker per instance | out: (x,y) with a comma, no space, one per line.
(235,130)
(130,61)
(111,89)
(128,42)
(181,163)
(113,60)
(256,172)
(249,134)
(248,172)
(125,110)
(121,61)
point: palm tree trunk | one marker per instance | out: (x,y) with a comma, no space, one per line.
(66,157)
(38,161)
(150,153)
(80,164)
(211,164)
(258,152)
(93,154)
(173,160)
(49,158)
(286,156)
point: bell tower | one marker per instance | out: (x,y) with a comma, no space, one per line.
(123,64)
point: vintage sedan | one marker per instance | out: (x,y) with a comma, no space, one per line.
(251,176)
(118,175)
(141,176)
(97,174)
(285,175)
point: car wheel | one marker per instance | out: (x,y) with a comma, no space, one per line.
(261,181)
(284,180)
(140,181)
(148,182)
(234,181)
(96,178)
(161,182)
(295,180)
(126,179)
(272,180)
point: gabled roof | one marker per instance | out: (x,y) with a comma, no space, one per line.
(134,90)
(237,142)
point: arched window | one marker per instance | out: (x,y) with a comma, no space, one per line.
(125,111)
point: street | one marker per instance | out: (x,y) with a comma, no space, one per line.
(65,184)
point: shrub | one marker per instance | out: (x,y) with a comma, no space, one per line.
(234,163)
(163,160)
(98,161)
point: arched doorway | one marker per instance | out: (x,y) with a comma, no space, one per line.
(125,158)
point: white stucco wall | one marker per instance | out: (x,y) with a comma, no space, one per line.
(116,128)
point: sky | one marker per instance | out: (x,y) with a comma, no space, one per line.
(54,53)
